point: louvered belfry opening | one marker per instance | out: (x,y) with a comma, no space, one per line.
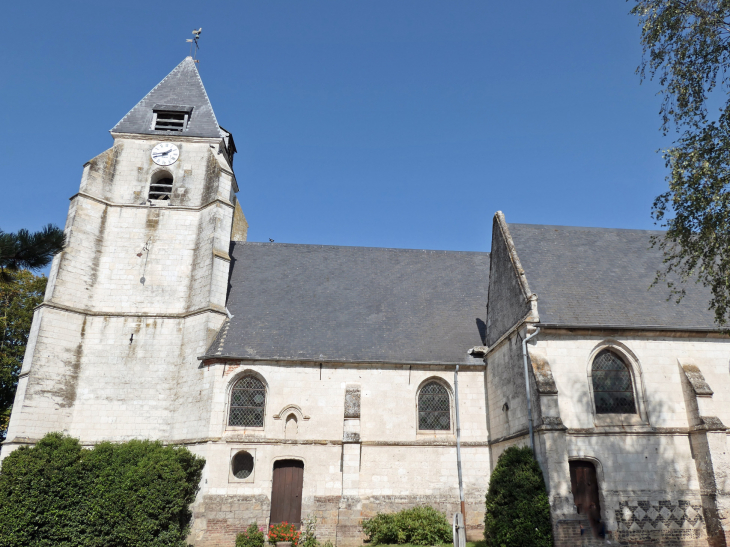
(248,399)
(434,410)
(612,385)
(171,121)
(161,186)
(167,117)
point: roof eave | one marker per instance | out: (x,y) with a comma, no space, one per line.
(578,326)
(160,137)
(209,357)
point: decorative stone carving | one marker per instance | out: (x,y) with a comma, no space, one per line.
(350,437)
(284,412)
(352,401)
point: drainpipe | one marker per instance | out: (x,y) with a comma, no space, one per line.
(458,441)
(527,389)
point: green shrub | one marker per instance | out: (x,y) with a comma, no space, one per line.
(518,510)
(128,495)
(252,537)
(419,526)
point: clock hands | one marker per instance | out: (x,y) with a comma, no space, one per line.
(165,154)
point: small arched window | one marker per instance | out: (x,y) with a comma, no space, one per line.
(161,185)
(248,399)
(434,408)
(613,389)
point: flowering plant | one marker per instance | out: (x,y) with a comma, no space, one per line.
(252,537)
(283,532)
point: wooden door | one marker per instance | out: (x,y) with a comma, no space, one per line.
(286,492)
(584,484)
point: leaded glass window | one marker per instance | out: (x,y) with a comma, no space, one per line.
(242,465)
(248,399)
(434,410)
(613,389)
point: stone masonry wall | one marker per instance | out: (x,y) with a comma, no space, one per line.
(397,467)
(649,488)
(506,393)
(132,301)
(111,248)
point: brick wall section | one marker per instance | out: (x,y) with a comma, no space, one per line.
(577,532)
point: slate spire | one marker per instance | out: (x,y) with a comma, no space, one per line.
(181,90)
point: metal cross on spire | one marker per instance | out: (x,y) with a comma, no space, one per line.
(194,40)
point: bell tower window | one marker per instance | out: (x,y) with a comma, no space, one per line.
(170,118)
(161,185)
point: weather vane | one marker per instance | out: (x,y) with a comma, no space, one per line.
(194,40)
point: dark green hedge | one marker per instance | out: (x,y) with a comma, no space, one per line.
(518,510)
(133,494)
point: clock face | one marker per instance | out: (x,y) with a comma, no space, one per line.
(165,153)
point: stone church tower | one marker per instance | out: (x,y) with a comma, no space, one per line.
(140,290)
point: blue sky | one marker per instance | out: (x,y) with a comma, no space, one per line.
(389,124)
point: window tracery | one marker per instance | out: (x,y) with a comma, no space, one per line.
(248,399)
(613,389)
(434,408)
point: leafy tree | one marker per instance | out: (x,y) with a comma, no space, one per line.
(133,494)
(17,301)
(28,250)
(686,47)
(517,508)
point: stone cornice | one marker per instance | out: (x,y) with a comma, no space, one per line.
(172,315)
(208,360)
(263,441)
(645,330)
(165,138)
(145,206)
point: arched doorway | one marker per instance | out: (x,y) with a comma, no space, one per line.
(286,492)
(584,485)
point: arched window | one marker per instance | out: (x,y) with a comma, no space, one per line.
(434,408)
(613,389)
(248,399)
(161,185)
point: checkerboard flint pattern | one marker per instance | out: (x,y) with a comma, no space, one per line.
(662,515)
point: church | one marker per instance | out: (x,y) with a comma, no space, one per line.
(321,380)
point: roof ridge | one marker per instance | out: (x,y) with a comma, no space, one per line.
(501,222)
(202,85)
(150,93)
(266,243)
(182,86)
(592,228)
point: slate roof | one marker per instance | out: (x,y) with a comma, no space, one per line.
(181,88)
(601,277)
(361,304)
